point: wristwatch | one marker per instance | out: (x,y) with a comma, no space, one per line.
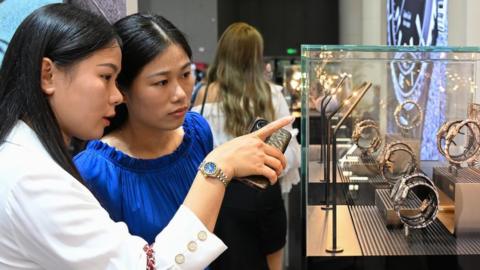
(389,168)
(427,199)
(210,169)
(472,147)
(442,132)
(399,115)
(361,131)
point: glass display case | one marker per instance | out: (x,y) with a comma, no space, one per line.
(396,136)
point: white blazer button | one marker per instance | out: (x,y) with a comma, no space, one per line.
(192,246)
(202,236)
(179,259)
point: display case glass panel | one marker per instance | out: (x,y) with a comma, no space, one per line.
(412,92)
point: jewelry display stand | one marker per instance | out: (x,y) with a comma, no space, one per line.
(325,146)
(464,190)
(351,102)
(385,206)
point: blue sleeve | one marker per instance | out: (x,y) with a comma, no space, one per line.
(202,130)
(101,178)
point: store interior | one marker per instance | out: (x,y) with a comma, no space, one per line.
(387,107)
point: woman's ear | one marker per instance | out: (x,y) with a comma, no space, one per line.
(46,76)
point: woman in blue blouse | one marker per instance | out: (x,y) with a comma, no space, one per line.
(142,169)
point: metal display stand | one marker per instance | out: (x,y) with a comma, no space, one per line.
(325,151)
(352,102)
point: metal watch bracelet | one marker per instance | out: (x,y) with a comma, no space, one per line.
(386,165)
(429,204)
(472,149)
(442,132)
(415,122)
(375,142)
(210,169)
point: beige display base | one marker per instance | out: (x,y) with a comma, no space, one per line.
(446,212)
(460,192)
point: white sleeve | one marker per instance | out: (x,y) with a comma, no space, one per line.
(187,243)
(290,175)
(58,224)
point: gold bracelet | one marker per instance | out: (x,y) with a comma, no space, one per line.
(415,122)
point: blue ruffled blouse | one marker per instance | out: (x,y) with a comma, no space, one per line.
(145,193)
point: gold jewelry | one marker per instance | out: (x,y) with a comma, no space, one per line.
(360,131)
(411,123)
(387,166)
(471,150)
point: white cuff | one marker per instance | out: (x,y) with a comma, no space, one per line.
(186,243)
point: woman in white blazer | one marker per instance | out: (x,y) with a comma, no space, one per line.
(57,81)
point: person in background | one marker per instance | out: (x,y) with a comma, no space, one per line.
(200,81)
(251,222)
(268,72)
(58,81)
(142,169)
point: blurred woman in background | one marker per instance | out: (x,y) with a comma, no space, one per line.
(252,222)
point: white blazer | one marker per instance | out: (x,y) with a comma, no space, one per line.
(48,220)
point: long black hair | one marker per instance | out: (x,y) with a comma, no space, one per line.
(64,34)
(144,36)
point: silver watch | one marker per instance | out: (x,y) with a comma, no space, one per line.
(211,169)
(471,149)
(367,137)
(403,117)
(426,200)
(396,161)
(442,132)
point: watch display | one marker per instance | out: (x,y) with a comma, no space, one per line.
(457,152)
(442,132)
(396,161)
(417,190)
(408,115)
(367,137)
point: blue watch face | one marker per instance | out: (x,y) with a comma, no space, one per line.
(210,167)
